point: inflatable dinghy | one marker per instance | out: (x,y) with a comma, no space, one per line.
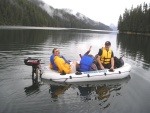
(119,73)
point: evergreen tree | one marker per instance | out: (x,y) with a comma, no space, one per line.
(135,20)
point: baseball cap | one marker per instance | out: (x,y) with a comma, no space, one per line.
(107,43)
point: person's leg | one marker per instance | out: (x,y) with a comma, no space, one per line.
(107,66)
(74,66)
(93,67)
(98,66)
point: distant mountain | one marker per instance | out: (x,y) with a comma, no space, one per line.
(38,13)
(113,27)
(80,17)
(91,22)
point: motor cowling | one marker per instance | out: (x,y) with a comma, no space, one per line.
(32,61)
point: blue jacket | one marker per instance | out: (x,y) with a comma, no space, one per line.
(86,63)
(53,64)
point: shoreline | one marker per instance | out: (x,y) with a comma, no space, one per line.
(134,33)
(55,28)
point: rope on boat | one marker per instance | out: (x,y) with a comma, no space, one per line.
(66,80)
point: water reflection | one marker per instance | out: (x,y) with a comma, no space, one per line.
(101,91)
(107,92)
(57,90)
(34,88)
(27,39)
(20,39)
(136,46)
(104,91)
(85,92)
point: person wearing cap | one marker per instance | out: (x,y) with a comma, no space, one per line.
(105,57)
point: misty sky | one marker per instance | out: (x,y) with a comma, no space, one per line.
(105,11)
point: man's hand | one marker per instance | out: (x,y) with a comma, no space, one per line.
(112,68)
(90,48)
(102,67)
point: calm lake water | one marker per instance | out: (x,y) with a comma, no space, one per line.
(18,95)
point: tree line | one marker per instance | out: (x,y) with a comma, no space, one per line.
(27,13)
(23,12)
(135,19)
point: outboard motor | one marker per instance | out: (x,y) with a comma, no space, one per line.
(32,61)
(35,63)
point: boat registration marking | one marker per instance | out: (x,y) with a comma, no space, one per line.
(98,71)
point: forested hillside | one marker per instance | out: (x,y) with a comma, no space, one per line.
(30,13)
(135,20)
(23,12)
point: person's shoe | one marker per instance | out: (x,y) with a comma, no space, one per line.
(78,73)
(63,73)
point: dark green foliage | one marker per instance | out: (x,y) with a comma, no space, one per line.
(29,13)
(23,12)
(135,20)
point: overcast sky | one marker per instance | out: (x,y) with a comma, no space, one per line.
(105,11)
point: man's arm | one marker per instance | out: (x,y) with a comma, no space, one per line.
(112,61)
(88,51)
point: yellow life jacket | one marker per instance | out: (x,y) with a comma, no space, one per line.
(106,56)
(62,65)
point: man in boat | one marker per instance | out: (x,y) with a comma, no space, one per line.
(88,62)
(105,57)
(60,64)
